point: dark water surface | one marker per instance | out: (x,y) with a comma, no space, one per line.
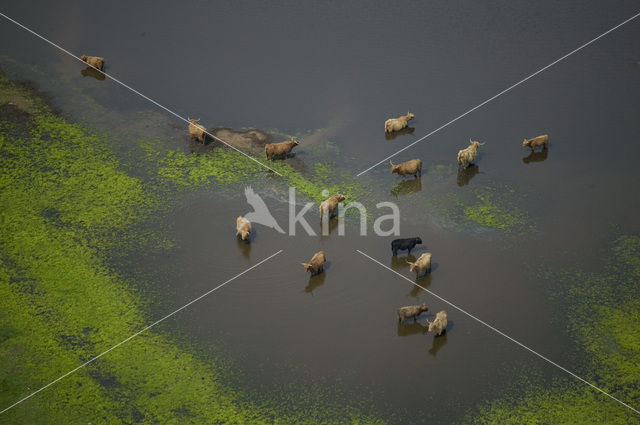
(345,68)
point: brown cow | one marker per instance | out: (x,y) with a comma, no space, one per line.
(439,325)
(467,155)
(411,311)
(316,264)
(330,205)
(421,264)
(280,149)
(197,131)
(410,167)
(395,124)
(243,228)
(95,61)
(537,141)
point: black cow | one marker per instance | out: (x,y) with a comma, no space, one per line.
(401,244)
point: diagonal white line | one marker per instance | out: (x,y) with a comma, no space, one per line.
(135,91)
(137,333)
(502,333)
(502,92)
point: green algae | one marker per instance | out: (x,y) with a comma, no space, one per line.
(603,316)
(64,201)
(490,210)
(227,167)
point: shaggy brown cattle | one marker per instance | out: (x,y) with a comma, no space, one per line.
(395,124)
(95,61)
(439,325)
(329,206)
(316,264)
(422,263)
(411,311)
(467,155)
(280,149)
(537,141)
(243,228)
(197,131)
(410,167)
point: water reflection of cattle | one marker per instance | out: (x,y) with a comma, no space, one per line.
(423,263)
(282,149)
(467,155)
(411,311)
(402,244)
(409,167)
(437,344)
(244,247)
(439,325)
(395,124)
(92,72)
(394,134)
(314,282)
(536,156)
(95,61)
(330,205)
(316,264)
(406,329)
(466,174)
(537,141)
(406,187)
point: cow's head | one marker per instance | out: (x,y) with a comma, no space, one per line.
(418,240)
(410,116)
(526,143)
(475,144)
(394,168)
(412,266)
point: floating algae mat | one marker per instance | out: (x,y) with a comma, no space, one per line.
(603,317)
(64,200)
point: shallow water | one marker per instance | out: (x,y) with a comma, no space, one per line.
(299,68)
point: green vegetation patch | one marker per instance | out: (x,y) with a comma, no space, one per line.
(491,209)
(603,317)
(227,167)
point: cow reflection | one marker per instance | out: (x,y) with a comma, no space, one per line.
(411,328)
(314,282)
(421,282)
(466,174)
(534,156)
(438,343)
(92,72)
(331,223)
(407,187)
(394,134)
(244,247)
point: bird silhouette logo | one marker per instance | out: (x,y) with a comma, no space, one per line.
(260,213)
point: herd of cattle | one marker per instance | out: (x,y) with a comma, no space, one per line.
(413,167)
